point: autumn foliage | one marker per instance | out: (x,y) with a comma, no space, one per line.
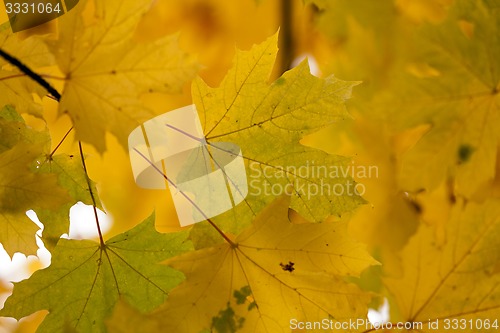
(373,167)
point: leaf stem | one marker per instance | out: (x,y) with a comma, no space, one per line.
(94,205)
(60,142)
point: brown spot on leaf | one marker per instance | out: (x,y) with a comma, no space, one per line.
(287,267)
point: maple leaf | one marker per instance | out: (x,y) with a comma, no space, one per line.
(267,121)
(27,182)
(71,177)
(18,231)
(273,271)
(106,70)
(21,188)
(86,279)
(458,97)
(374,223)
(17,88)
(455,280)
(50,188)
(14,130)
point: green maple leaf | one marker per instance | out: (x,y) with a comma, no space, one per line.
(21,186)
(20,190)
(71,177)
(267,121)
(14,130)
(273,271)
(33,179)
(85,280)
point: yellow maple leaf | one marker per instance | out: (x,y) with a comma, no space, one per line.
(18,233)
(457,95)
(267,121)
(105,71)
(272,272)
(16,87)
(457,280)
